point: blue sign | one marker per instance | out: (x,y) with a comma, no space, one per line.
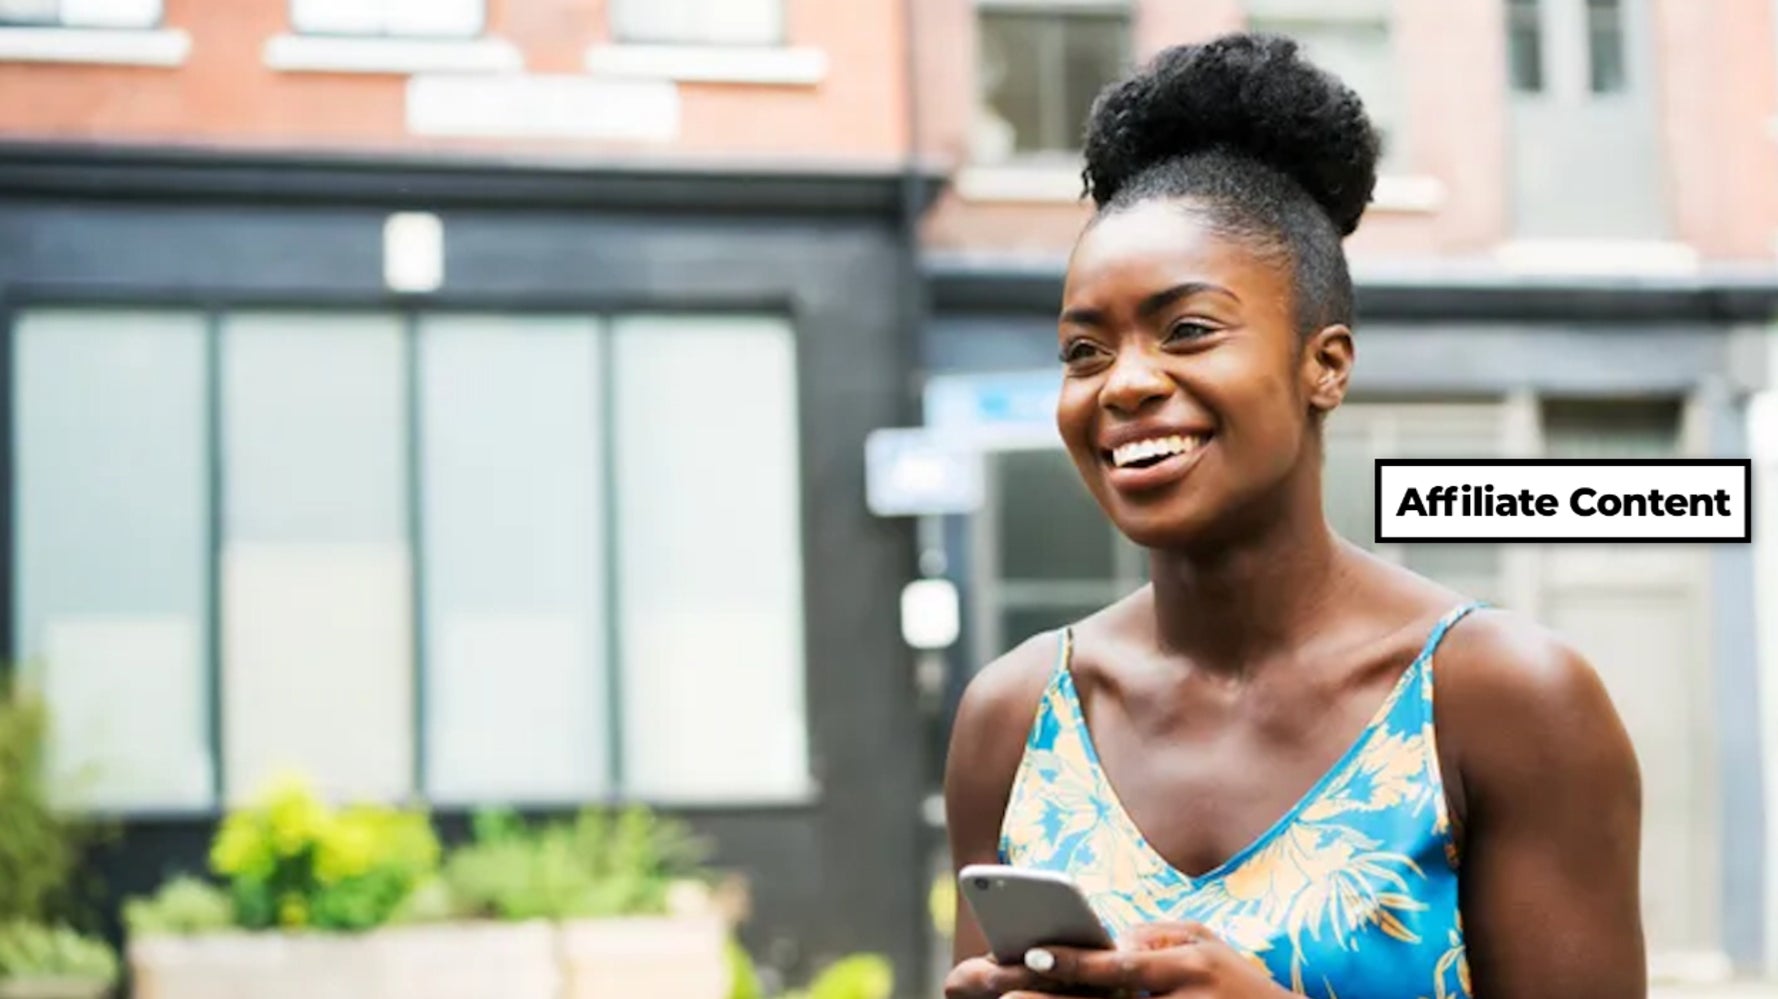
(994,405)
(916,472)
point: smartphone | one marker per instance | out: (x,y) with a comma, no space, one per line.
(1019,908)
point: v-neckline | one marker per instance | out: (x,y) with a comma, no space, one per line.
(1120,814)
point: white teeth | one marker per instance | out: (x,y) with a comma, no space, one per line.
(1154,448)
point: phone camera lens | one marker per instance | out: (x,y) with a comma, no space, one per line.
(981,883)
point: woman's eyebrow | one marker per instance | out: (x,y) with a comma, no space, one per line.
(1087,316)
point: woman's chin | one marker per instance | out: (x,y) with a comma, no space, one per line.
(1173,526)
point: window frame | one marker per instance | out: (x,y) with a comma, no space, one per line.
(620,788)
(993,595)
(1567,56)
(1619,10)
(296,29)
(780,37)
(1117,12)
(1527,16)
(60,21)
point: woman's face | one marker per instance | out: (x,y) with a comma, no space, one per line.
(1187,389)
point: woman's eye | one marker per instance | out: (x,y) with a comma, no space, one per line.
(1187,329)
(1078,351)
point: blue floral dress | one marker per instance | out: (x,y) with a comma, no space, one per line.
(1351,893)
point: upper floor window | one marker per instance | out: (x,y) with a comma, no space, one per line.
(1352,39)
(1040,67)
(81,13)
(399,18)
(1568,47)
(1606,73)
(1524,45)
(698,22)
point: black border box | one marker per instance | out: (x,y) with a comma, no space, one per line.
(1746,465)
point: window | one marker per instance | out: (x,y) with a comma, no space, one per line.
(1055,558)
(1039,72)
(1611,428)
(81,13)
(315,576)
(699,22)
(403,18)
(514,559)
(1351,39)
(1606,72)
(709,551)
(112,557)
(1360,432)
(413,539)
(1524,45)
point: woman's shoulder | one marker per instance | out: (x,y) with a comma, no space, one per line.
(1521,706)
(988,738)
(1003,695)
(1497,658)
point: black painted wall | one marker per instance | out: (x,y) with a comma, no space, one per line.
(843,872)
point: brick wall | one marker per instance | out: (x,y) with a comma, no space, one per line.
(226,93)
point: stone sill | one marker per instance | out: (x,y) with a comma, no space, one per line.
(397,56)
(97,46)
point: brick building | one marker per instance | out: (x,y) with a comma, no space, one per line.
(296,280)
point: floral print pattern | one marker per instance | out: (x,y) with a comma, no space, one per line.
(1352,892)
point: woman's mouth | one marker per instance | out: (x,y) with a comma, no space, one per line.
(1153,461)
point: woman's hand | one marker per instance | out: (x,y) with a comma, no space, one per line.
(985,978)
(1178,960)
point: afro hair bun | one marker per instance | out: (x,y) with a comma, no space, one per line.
(1249,95)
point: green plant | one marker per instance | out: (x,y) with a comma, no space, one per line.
(858,976)
(595,865)
(293,862)
(429,902)
(183,906)
(36,950)
(743,976)
(40,848)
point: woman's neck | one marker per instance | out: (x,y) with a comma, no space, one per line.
(1233,608)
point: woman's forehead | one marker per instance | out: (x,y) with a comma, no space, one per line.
(1160,244)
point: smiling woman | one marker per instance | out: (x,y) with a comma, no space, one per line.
(1239,763)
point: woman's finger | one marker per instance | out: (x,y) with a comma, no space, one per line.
(985,977)
(1124,970)
(1159,936)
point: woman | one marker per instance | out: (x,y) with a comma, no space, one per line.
(1239,762)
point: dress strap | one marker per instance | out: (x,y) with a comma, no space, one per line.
(1439,630)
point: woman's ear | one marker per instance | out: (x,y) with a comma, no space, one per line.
(1327,367)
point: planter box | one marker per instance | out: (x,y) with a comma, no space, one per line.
(453,961)
(590,959)
(678,956)
(52,988)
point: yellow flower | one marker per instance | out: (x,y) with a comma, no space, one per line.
(295,817)
(293,912)
(239,849)
(344,849)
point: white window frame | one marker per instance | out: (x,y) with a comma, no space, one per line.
(385,31)
(1567,54)
(1034,176)
(56,40)
(1044,179)
(624,37)
(390,52)
(60,20)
